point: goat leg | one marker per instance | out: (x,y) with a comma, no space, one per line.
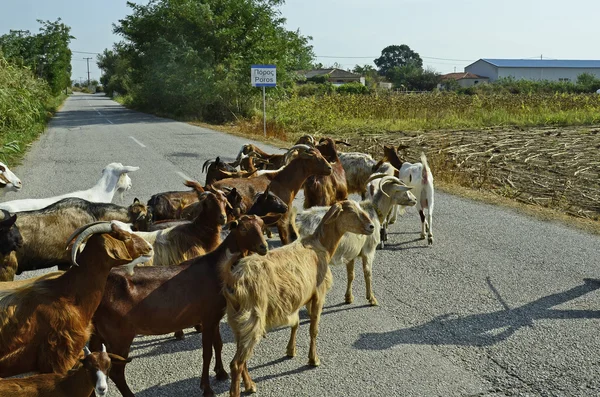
(422,215)
(315,317)
(218,346)
(207,346)
(367,269)
(350,273)
(291,347)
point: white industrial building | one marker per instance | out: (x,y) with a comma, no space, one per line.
(534,69)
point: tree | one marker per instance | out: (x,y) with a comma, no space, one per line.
(193,57)
(397,56)
(47,53)
(412,78)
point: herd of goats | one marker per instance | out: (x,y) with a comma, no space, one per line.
(163,267)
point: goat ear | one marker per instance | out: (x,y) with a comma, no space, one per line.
(333,213)
(136,201)
(116,249)
(114,358)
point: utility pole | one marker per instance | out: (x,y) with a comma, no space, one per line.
(88,69)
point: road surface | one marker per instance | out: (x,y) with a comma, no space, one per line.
(501,305)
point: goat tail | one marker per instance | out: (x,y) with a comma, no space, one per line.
(194,185)
(426,170)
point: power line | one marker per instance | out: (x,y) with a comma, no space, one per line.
(373,57)
(84,52)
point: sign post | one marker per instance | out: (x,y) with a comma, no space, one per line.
(263,76)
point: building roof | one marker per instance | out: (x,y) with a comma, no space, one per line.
(333,73)
(543,63)
(461,75)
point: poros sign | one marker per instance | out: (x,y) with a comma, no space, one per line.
(263,75)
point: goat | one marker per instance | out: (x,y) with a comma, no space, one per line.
(285,183)
(156,301)
(114,177)
(235,206)
(44,231)
(218,169)
(168,205)
(172,205)
(269,161)
(326,190)
(266,205)
(44,325)
(10,241)
(391,192)
(8,181)
(189,240)
(86,377)
(419,176)
(267,292)
(358,168)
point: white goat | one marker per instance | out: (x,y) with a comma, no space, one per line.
(391,192)
(419,176)
(8,181)
(114,178)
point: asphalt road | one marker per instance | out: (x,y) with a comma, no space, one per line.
(501,305)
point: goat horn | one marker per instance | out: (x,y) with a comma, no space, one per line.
(86,351)
(385,180)
(4,215)
(295,147)
(376,176)
(207,164)
(84,233)
(103,348)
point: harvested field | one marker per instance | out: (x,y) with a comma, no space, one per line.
(556,167)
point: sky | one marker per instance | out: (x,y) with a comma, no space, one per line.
(448,35)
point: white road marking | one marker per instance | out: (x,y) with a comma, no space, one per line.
(109,121)
(136,141)
(184,176)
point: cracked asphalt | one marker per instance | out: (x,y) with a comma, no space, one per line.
(501,305)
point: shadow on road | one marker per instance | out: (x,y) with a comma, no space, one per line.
(484,329)
(186,387)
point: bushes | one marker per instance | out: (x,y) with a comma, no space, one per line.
(25,105)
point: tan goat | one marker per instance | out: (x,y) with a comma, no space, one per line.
(268,291)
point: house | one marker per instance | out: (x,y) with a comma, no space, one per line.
(534,69)
(465,79)
(336,77)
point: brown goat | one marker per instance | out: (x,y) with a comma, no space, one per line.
(168,205)
(268,161)
(156,301)
(267,292)
(85,378)
(189,240)
(325,190)
(180,205)
(285,183)
(266,205)
(45,231)
(44,325)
